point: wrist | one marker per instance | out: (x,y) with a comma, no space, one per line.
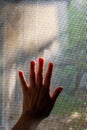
(26,122)
(30,121)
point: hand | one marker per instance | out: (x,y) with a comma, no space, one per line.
(37,101)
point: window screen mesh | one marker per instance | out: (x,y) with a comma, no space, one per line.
(55,30)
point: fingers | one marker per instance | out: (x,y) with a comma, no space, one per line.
(48,76)
(23,81)
(32,73)
(55,94)
(40,72)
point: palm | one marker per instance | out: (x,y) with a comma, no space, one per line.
(37,101)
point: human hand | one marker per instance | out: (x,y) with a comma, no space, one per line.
(37,101)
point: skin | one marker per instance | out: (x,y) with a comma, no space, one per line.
(37,101)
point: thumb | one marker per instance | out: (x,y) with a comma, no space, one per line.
(56,93)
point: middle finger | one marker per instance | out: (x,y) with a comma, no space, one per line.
(40,72)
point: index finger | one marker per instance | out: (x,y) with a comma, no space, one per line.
(40,72)
(32,73)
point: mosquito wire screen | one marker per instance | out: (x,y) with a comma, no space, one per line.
(55,30)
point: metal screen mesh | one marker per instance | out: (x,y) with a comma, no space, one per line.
(55,30)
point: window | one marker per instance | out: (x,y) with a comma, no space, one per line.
(56,30)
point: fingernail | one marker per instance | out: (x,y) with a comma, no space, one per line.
(50,66)
(41,59)
(32,63)
(61,88)
(20,72)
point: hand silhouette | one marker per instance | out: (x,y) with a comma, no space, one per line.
(37,101)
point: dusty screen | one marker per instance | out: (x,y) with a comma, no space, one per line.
(55,30)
